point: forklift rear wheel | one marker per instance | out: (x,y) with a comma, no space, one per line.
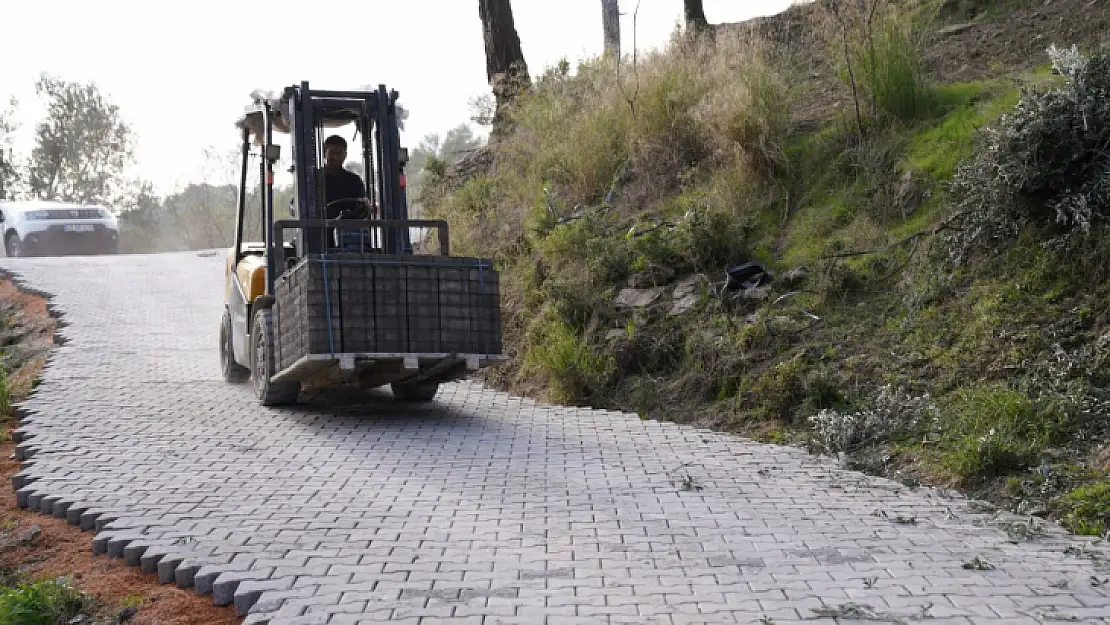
(234,372)
(268,392)
(421,391)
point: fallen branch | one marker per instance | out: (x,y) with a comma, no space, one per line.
(912,237)
(941,227)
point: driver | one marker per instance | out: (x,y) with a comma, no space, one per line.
(342,184)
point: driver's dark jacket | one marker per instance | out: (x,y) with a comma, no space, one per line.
(341,185)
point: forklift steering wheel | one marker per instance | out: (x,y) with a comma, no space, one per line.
(346,199)
(344,212)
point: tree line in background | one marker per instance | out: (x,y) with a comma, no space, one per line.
(83,148)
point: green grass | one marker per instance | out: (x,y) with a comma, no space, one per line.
(938,149)
(1086,509)
(840,183)
(5,395)
(992,431)
(42,603)
(786,389)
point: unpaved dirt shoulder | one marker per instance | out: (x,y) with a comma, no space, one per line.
(28,330)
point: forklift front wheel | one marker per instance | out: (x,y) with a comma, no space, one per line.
(422,391)
(234,372)
(268,392)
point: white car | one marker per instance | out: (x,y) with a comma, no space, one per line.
(38,228)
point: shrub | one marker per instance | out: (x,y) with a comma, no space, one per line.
(573,371)
(587,251)
(892,413)
(891,66)
(1086,509)
(1044,164)
(42,603)
(486,214)
(747,108)
(435,167)
(786,389)
(877,46)
(712,237)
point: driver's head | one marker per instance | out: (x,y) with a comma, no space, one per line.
(335,152)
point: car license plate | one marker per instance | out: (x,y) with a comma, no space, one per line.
(78,228)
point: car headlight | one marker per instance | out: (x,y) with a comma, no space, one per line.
(37,215)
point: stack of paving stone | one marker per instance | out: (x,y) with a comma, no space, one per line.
(387,305)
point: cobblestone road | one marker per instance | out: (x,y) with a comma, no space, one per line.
(483,508)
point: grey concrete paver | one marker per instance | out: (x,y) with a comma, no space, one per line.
(479,508)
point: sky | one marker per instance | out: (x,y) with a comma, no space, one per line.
(182,72)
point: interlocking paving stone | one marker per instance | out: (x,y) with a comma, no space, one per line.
(480,508)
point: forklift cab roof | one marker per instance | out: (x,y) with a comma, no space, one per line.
(334,109)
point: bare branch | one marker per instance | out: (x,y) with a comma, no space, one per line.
(635,63)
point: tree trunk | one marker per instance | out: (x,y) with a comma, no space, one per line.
(611,24)
(506,69)
(695,16)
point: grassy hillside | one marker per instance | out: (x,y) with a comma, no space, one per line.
(932,229)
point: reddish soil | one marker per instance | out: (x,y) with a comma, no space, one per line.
(62,549)
(1018,39)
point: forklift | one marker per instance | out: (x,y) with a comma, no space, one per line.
(348,299)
